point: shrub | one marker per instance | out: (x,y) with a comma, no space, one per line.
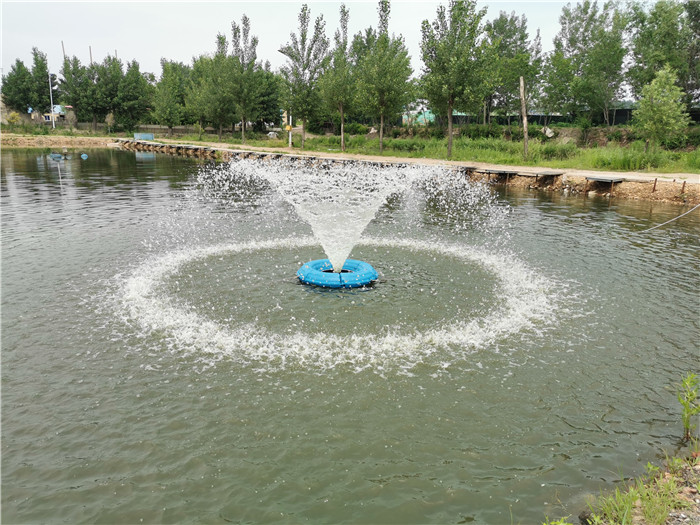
(694,136)
(614,135)
(354,128)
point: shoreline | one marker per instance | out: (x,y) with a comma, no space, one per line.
(678,188)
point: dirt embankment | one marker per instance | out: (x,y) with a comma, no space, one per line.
(54,141)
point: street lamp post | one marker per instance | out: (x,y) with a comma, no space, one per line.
(53,121)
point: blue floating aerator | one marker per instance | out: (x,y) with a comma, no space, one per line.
(354,274)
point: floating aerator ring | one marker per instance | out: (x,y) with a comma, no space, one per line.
(320,272)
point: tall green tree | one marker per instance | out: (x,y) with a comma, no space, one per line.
(269,97)
(692,9)
(196,94)
(246,85)
(557,77)
(384,68)
(41,98)
(454,51)
(218,87)
(338,80)
(306,56)
(99,89)
(662,36)
(516,56)
(661,115)
(132,97)
(584,71)
(73,85)
(601,75)
(18,87)
(169,100)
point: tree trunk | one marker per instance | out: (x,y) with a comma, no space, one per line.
(94,123)
(303,132)
(381,133)
(243,130)
(221,131)
(342,129)
(170,132)
(449,130)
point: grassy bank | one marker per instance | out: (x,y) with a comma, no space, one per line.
(662,496)
(611,157)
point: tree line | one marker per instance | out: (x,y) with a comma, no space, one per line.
(603,53)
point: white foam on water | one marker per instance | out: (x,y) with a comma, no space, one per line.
(527,302)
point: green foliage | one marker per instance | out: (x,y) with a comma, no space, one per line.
(659,497)
(560,521)
(169,100)
(554,151)
(660,116)
(383,71)
(516,57)
(457,70)
(246,74)
(617,507)
(13,119)
(17,87)
(306,58)
(132,98)
(353,128)
(663,37)
(632,158)
(687,395)
(337,84)
(479,131)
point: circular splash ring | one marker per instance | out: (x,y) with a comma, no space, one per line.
(353,275)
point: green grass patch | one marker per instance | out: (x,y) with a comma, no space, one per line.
(494,150)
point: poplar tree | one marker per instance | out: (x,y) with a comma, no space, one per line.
(516,56)
(666,35)
(246,84)
(306,56)
(384,68)
(584,72)
(454,56)
(338,83)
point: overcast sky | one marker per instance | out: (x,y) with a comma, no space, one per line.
(149,31)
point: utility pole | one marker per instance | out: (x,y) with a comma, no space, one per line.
(64,51)
(524,112)
(53,120)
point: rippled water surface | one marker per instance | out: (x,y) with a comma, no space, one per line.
(160,362)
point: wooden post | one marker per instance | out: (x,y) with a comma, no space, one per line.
(654,188)
(524,112)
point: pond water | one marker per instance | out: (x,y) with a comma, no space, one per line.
(160,362)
